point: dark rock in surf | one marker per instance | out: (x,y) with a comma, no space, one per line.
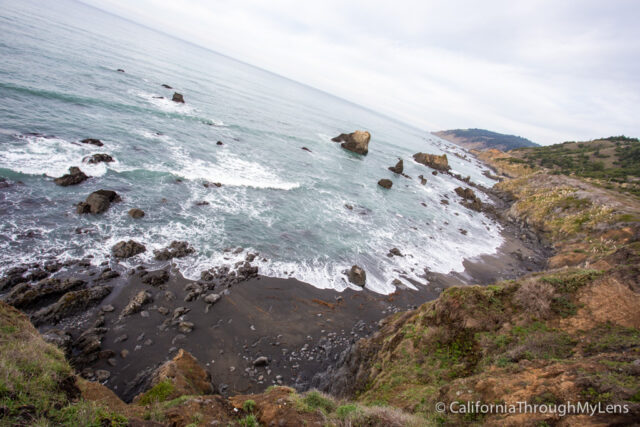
(471,201)
(306,149)
(120,70)
(398,168)
(465,193)
(136,213)
(98,158)
(395,252)
(98,202)
(358,141)
(175,250)
(385,183)
(92,141)
(219,143)
(166,86)
(208,184)
(357,276)
(74,177)
(177,97)
(128,249)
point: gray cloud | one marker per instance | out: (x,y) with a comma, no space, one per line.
(546,70)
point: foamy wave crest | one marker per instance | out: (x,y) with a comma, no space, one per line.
(50,156)
(228,170)
(163,103)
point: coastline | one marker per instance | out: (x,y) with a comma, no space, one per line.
(301,329)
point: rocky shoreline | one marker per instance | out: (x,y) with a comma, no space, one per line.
(249,331)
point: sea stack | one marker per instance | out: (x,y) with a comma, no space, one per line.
(358,141)
(433,161)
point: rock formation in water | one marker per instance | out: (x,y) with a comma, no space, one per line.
(358,141)
(433,161)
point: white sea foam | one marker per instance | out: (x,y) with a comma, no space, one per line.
(163,103)
(228,169)
(50,156)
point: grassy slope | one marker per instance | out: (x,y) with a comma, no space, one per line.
(612,162)
(37,385)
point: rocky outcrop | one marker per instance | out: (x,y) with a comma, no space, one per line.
(136,303)
(25,295)
(74,177)
(98,202)
(70,303)
(398,168)
(357,276)
(92,141)
(128,249)
(471,200)
(136,213)
(433,161)
(385,183)
(98,158)
(184,375)
(358,141)
(175,250)
(177,97)
(155,278)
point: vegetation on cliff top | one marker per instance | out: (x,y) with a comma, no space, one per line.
(482,139)
(612,162)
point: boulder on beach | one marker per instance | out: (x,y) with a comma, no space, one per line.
(128,249)
(98,158)
(433,161)
(177,97)
(184,374)
(74,177)
(92,141)
(176,249)
(136,213)
(156,278)
(357,276)
(385,183)
(398,168)
(136,303)
(98,202)
(358,141)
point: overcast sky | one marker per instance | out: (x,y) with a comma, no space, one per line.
(547,70)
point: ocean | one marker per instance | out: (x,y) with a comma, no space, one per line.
(59,84)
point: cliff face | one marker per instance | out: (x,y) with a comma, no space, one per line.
(571,333)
